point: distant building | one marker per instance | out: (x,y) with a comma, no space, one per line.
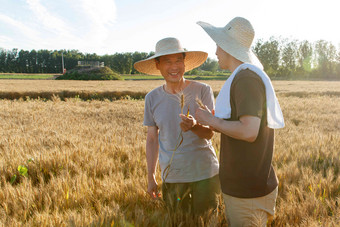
(90,64)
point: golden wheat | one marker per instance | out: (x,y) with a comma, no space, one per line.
(86,162)
(200,103)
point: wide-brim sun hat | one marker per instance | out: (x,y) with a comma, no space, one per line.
(167,46)
(235,38)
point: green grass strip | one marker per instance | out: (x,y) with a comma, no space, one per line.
(26,76)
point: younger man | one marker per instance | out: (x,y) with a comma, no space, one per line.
(246,114)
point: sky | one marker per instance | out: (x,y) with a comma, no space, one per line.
(111,26)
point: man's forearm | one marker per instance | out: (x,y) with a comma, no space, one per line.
(151,158)
(202,131)
(245,129)
(229,128)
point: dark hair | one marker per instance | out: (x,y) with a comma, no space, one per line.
(157,58)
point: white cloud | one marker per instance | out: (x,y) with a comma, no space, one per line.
(4,39)
(20,27)
(50,21)
(76,24)
(101,12)
(101,15)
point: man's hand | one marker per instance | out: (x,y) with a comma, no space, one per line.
(204,116)
(188,122)
(153,189)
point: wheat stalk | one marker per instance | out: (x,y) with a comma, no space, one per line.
(200,103)
(182,102)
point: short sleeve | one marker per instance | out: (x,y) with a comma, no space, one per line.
(208,97)
(148,116)
(249,95)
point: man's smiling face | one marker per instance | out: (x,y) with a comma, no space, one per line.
(171,67)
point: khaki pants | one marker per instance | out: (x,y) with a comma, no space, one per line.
(194,197)
(250,211)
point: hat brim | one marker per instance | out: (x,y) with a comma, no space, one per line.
(193,59)
(229,45)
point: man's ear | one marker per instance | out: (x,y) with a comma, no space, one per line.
(157,64)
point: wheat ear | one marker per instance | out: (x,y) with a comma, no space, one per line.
(200,103)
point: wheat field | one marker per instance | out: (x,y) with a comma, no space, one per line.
(75,162)
(15,89)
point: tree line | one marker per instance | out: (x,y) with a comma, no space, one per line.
(281,58)
(284,58)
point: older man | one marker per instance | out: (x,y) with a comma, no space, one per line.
(186,156)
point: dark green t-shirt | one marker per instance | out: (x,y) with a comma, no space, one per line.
(245,168)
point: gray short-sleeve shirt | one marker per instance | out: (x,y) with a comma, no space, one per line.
(195,158)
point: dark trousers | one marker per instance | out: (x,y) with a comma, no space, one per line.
(194,197)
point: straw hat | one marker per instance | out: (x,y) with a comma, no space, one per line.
(169,46)
(235,39)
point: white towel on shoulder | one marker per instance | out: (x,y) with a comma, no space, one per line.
(274,114)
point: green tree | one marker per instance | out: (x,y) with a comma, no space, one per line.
(137,56)
(45,60)
(269,54)
(337,69)
(210,65)
(56,62)
(23,61)
(3,56)
(33,62)
(122,63)
(288,58)
(10,62)
(71,58)
(326,58)
(304,57)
